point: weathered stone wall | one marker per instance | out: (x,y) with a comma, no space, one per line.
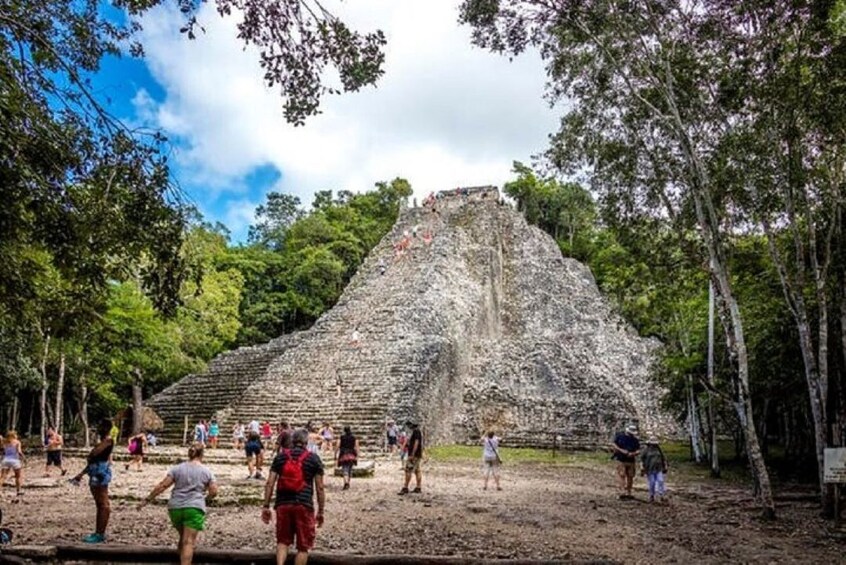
(489,326)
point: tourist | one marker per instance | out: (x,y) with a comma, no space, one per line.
(214,433)
(415,456)
(626,447)
(355,337)
(53,449)
(491,459)
(402,446)
(192,482)
(266,433)
(428,237)
(238,435)
(296,474)
(654,467)
(347,455)
(392,434)
(152,440)
(99,476)
(283,440)
(254,427)
(255,455)
(200,432)
(314,439)
(13,459)
(382,267)
(135,446)
(327,437)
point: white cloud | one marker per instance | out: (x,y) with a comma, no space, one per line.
(444,114)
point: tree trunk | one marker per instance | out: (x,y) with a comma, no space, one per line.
(60,391)
(137,403)
(694,430)
(13,418)
(83,412)
(712,422)
(43,401)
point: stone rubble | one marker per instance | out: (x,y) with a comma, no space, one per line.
(487,327)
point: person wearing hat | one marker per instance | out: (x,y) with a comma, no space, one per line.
(654,467)
(626,447)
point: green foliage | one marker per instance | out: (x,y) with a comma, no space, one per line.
(564,210)
(294,276)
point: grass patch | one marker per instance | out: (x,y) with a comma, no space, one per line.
(516,455)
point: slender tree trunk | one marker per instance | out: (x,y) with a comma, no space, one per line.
(83,411)
(712,422)
(31,426)
(694,429)
(137,402)
(43,401)
(13,417)
(60,391)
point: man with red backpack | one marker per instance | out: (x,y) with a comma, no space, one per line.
(296,474)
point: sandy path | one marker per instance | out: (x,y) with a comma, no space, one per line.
(544,511)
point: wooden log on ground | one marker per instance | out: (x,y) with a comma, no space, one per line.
(108,553)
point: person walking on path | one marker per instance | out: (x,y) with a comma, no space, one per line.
(201,434)
(53,449)
(238,436)
(654,467)
(347,455)
(254,451)
(214,433)
(13,459)
(99,474)
(192,482)
(392,435)
(414,460)
(491,459)
(297,475)
(135,447)
(626,447)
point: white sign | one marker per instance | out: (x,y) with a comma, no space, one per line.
(835,465)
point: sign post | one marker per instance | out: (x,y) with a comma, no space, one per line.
(835,473)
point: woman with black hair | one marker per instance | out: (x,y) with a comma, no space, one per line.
(347,455)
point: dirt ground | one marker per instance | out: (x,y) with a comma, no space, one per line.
(564,510)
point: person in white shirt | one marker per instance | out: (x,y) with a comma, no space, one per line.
(491,459)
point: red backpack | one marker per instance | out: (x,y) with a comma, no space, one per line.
(291,476)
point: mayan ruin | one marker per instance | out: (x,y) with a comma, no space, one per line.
(487,326)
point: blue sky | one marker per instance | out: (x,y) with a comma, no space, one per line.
(445,114)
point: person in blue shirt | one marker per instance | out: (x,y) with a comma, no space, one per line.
(625,449)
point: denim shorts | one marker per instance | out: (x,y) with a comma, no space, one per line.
(99,474)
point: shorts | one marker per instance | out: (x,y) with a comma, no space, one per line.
(295,520)
(99,474)
(14,464)
(54,458)
(193,518)
(625,469)
(253,448)
(492,462)
(392,440)
(412,465)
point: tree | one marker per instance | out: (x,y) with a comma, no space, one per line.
(273,219)
(643,80)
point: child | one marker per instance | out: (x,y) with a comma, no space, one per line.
(654,467)
(13,460)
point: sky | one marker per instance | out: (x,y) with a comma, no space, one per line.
(444,114)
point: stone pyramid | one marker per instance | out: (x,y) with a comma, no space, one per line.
(487,326)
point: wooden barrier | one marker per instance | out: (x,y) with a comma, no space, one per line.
(108,553)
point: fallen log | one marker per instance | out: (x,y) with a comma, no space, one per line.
(156,554)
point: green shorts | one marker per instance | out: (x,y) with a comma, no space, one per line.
(193,518)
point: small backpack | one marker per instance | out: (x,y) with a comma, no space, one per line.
(291,477)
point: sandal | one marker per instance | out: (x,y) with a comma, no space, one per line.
(404,490)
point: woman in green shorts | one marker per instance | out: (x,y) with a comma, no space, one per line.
(187,505)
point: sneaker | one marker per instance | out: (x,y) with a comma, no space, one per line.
(64,472)
(346,487)
(417,490)
(403,491)
(259,476)
(94,538)
(74,482)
